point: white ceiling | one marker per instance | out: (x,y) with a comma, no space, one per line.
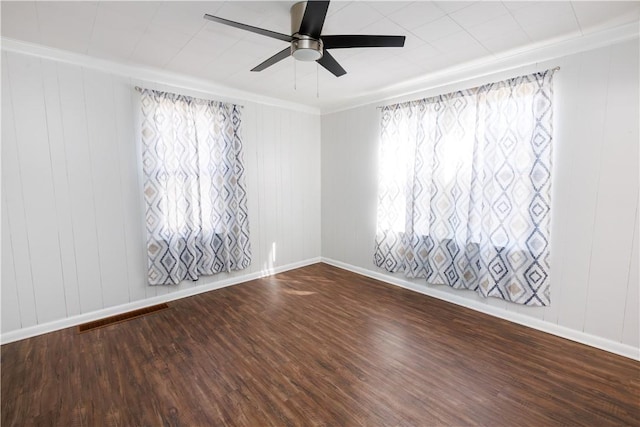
(173,36)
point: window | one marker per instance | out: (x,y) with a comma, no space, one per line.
(464,192)
(196,207)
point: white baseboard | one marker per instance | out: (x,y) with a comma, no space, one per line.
(551,328)
(79,319)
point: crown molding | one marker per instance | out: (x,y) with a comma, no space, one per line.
(509,60)
(150,74)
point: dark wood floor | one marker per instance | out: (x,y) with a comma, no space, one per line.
(314,346)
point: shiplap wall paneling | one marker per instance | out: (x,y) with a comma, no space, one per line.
(61,185)
(130,183)
(287,223)
(9,293)
(617,197)
(295,150)
(103,150)
(369,173)
(631,325)
(273,179)
(257,223)
(82,207)
(578,171)
(345,197)
(273,183)
(308,163)
(334,137)
(286,150)
(267,191)
(14,230)
(328,129)
(40,210)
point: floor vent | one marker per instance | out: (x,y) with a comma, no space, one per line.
(86,327)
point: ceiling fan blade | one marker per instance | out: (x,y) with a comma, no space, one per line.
(261,31)
(357,40)
(284,53)
(330,63)
(313,19)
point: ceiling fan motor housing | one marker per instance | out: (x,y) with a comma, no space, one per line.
(306,49)
(303,47)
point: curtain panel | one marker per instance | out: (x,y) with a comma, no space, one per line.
(465,189)
(196,202)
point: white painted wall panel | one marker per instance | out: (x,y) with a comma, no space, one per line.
(295,152)
(105,166)
(15,233)
(285,229)
(310,189)
(576,165)
(80,187)
(129,159)
(595,192)
(268,191)
(631,325)
(73,236)
(617,197)
(9,293)
(61,187)
(34,158)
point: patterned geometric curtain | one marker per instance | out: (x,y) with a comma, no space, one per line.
(196,203)
(465,189)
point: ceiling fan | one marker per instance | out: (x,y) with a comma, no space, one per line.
(307,41)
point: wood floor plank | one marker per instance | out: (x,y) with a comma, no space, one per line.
(316,346)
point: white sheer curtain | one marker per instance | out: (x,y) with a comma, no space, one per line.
(196,203)
(464,191)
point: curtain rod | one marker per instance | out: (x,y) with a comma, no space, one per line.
(140,89)
(379,107)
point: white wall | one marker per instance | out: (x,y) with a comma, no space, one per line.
(594,245)
(72,231)
(73,237)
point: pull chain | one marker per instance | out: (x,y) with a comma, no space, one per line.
(295,75)
(317,81)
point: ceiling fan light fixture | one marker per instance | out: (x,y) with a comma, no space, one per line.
(306,40)
(306,49)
